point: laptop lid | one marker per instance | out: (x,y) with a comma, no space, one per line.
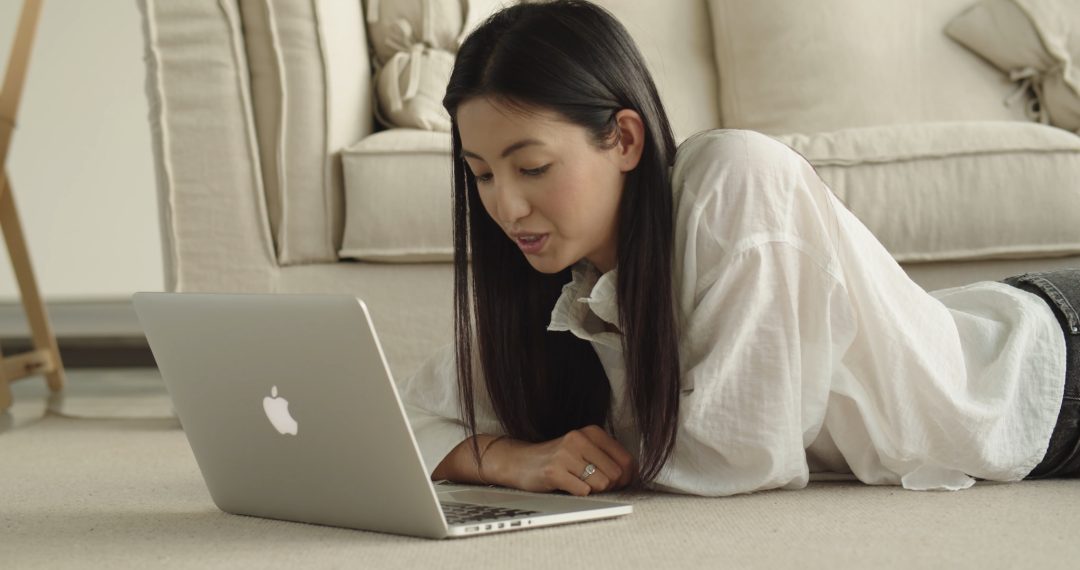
(231,362)
(292,413)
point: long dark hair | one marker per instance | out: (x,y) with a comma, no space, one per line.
(575,59)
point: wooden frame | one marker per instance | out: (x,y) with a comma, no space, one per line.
(45,358)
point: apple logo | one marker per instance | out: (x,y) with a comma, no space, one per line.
(277,410)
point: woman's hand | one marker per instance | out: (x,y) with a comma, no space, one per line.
(558,464)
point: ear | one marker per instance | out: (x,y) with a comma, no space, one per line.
(632,139)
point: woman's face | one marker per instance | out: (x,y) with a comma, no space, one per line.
(557,184)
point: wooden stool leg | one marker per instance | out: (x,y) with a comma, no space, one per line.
(45,359)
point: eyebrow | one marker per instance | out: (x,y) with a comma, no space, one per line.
(508,150)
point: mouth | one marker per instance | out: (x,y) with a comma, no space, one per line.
(532,244)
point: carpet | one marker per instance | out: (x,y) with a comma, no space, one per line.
(124,491)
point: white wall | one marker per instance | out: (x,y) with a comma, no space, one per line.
(80,161)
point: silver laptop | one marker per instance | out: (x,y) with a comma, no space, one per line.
(292,413)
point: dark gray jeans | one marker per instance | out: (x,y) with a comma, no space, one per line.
(1061,290)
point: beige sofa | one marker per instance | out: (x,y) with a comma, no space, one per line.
(274,175)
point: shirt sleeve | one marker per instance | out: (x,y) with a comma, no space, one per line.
(430,399)
(758,350)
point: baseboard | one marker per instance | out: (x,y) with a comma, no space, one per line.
(90,334)
(91,352)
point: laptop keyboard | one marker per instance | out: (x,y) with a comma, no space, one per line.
(458,513)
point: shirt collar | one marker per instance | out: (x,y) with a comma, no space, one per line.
(589,290)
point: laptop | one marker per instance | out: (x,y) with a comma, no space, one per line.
(291,412)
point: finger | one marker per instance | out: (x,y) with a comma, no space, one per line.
(613,449)
(608,443)
(604,466)
(598,481)
(571,483)
(581,450)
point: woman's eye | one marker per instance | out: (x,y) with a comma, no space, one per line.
(536,171)
(484,178)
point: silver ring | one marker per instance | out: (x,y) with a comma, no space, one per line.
(589,470)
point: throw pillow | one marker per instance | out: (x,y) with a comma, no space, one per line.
(395,25)
(413,46)
(1037,42)
(411,87)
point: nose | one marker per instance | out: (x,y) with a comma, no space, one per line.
(510,204)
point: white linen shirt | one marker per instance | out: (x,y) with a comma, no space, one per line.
(804,347)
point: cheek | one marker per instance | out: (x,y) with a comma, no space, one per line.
(488,202)
(485,202)
(548,200)
(578,206)
(566,205)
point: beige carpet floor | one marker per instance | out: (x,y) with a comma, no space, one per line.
(103,477)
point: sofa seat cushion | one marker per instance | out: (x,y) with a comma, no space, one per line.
(398,188)
(929,192)
(956,191)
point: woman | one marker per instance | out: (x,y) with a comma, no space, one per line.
(708,319)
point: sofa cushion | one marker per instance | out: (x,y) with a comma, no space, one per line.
(675,39)
(411,87)
(1037,42)
(956,191)
(310,98)
(413,44)
(786,67)
(399,184)
(929,192)
(395,25)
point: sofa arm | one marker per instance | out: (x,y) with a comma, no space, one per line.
(215,233)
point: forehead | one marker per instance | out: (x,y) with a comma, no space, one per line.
(486,126)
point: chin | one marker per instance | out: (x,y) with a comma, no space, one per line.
(545,267)
(548,265)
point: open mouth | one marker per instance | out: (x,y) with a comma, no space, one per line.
(532,244)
